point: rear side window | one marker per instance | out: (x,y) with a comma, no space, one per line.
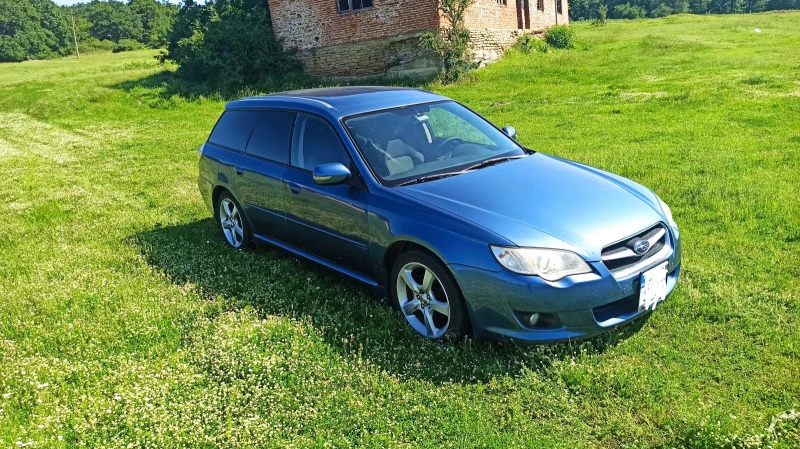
(234,128)
(271,136)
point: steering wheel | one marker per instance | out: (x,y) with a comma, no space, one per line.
(447,154)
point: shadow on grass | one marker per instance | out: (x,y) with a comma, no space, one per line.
(165,85)
(351,318)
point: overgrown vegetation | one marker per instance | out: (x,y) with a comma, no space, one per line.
(634,9)
(126,322)
(452,41)
(528,43)
(229,45)
(560,36)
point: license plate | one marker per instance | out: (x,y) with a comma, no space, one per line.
(653,288)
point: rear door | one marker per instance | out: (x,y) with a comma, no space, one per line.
(259,174)
(329,222)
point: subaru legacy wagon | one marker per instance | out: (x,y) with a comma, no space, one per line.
(463,228)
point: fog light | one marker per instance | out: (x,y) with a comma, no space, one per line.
(534,319)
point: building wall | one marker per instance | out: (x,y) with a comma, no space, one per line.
(495,27)
(398,55)
(384,39)
(305,24)
(490,14)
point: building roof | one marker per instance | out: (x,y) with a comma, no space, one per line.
(339,101)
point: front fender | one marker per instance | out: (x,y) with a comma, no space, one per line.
(452,239)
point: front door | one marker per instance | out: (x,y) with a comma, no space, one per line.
(329,222)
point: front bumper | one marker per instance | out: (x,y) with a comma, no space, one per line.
(585,305)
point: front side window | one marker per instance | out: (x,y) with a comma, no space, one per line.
(540,5)
(407,144)
(558,6)
(353,5)
(315,143)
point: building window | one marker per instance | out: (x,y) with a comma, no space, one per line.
(501,2)
(540,5)
(353,5)
(558,6)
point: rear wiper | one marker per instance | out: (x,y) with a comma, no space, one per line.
(429,178)
(494,161)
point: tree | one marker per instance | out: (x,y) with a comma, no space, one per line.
(452,41)
(156,20)
(228,44)
(111,20)
(32,29)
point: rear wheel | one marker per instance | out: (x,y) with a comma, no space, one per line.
(233,222)
(428,297)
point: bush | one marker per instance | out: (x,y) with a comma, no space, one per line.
(127,45)
(560,36)
(452,41)
(93,44)
(602,15)
(661,11)
(228,45)
(528,43)
(628,11)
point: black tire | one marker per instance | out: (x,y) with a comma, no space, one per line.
(237,231)
(422,307)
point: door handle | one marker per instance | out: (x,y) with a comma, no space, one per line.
(239,171)
(294,188)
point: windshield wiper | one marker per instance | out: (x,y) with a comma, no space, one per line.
(485,163)
(429,178)
(494,161)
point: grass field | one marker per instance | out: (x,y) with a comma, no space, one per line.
(126,322)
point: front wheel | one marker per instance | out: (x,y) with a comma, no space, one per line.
(428,297)
(233,222)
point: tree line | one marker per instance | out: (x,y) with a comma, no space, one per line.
(636,9)
(39,29)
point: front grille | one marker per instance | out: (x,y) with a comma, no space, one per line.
(621,257)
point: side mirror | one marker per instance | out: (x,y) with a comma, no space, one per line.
(510,132)
(330,174)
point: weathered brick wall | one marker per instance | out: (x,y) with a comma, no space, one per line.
(547,18)
(488,44)
(398,55)
(494,27)
(306,24)
(490,14)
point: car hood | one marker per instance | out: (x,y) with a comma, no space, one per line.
(543,201)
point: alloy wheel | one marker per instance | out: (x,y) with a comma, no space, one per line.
(231,221)
(423,300)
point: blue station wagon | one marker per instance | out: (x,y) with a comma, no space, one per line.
(463,228)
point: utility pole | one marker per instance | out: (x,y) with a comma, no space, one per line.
(75,36)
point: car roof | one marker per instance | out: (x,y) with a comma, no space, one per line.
(339,101)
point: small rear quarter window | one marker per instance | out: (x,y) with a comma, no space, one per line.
(233,129)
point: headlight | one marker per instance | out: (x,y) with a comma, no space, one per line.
(549,264)
(667,212)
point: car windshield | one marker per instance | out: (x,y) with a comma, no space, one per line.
(427,141)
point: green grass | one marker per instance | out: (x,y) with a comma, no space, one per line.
(126,322)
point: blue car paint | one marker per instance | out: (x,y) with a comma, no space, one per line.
(537,201)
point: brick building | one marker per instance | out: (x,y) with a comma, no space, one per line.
(352,38)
